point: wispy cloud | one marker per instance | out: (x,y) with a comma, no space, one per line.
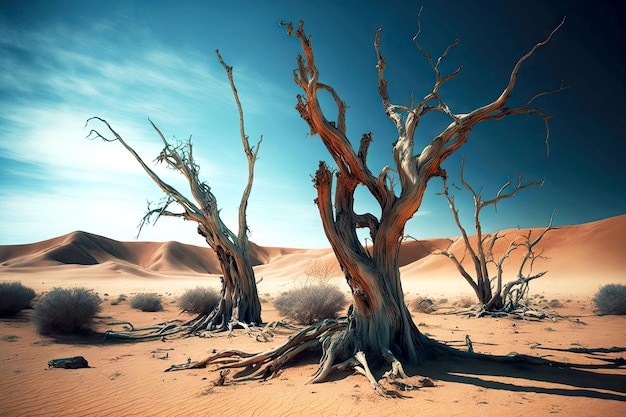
(55,78)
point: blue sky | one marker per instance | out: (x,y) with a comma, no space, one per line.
(62,62)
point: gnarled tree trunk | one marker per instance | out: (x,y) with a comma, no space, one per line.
(380,322)
(240,301)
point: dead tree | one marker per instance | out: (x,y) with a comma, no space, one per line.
(492,295)
(320,272)
(240,301)
(378,325)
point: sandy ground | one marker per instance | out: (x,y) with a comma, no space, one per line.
(127,379)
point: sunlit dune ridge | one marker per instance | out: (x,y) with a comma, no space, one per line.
(595,250)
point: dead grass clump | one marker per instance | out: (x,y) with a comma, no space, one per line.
(147,302)
(311,303)
(14,297)
(118,300)
(66,310)
(423,305)
(554,303)
(465,302)
(611,299)
(199,300)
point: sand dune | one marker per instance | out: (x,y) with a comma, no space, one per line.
(593,250)
(580,258)
(82,248)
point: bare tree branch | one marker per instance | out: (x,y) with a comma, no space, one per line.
(251,155)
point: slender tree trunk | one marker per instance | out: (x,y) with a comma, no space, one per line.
(240,300)
(491,296)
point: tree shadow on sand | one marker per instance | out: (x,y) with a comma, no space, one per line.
(529,377)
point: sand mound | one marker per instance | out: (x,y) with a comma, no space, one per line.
(82,248)
(592,251)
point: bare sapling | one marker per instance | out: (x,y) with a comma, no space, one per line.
(487,280)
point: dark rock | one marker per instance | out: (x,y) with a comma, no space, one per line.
(69,363)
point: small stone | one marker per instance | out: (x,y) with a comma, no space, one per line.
(427,382)
(69,363)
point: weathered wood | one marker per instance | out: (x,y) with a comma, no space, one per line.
(379,322)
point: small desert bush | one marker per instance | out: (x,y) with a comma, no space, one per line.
(199,300)
(66,310)
(311,303)
(555,303)
(118,300)
(611,299)
(423,305)
(14,297)
(466,301)
(147,302)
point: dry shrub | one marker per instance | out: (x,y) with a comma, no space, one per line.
(423,305)
(14,297)
(319,271)
(66,310)
(555,303)
(465,302)
(311,303)
(611,299)
(199,300)
(146,302)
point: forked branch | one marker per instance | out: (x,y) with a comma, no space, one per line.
(250,151)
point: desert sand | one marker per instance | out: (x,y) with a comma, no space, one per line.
(127,379)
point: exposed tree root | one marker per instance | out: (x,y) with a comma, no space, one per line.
(202,326)
(521,312)
(273,359)
(336,338)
